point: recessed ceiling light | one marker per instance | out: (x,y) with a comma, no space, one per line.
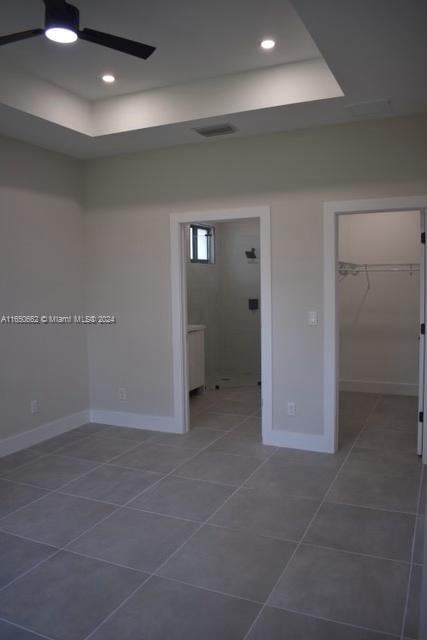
(59,34)
(108,78)
(267,44)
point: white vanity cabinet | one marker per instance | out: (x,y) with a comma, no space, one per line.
(196,355)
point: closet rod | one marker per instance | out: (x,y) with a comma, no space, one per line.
(345,268)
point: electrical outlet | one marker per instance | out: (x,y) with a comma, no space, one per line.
(312,318)
(34,406)
(291,408)
(122,394)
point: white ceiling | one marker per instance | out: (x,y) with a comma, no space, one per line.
(209,69)
(195,39)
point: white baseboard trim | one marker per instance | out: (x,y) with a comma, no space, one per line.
(135,420)
(374,386)
(43,432)
(292,440)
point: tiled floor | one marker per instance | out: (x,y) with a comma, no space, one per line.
(110,533)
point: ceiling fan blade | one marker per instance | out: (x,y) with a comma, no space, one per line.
(23,35)
(124,45)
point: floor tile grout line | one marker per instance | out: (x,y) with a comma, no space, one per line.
(19,626)
(371,507)
(408,589)
(381,634)
(309,525)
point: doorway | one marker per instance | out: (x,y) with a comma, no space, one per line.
(379,290)
(185,231)
(370,307)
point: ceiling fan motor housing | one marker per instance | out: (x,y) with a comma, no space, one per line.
(61,15)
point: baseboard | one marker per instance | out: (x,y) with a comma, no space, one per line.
(384,388)
(135,420)
(43,432)
(292,440)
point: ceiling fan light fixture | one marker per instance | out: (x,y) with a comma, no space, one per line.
(267,44)
(62,35)
(108,78)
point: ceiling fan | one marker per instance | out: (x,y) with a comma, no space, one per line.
(62,24)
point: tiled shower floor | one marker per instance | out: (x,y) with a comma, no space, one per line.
(109,533)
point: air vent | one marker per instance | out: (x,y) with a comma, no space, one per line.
(216,130)
(366,109)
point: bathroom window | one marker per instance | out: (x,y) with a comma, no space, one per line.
(202,244)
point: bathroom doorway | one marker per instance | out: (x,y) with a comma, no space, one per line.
(221,303)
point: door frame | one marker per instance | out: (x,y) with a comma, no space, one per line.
(331,211)
(178,223)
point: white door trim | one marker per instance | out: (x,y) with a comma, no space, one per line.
(331,211)
(179,308)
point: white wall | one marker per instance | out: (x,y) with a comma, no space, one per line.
(379,327)
(204,306)
(41,272)
(129,199)
(218,298)
(240,344)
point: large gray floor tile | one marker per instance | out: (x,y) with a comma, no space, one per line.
(18,555)
(16,460)
(412,622)
(399,493)
(420,545)
(399,412)
(58,442)
(135,539)
(276,624)
(233,562)
(235,407)
(14,496)
(268,512)
(55,519)
(386,439)
(193,499)
(309,481)
(51,472)
(219,467)
(195,440)
(92,428)
(10,632)
(389,462)
(374,532)
(296,456)
(136,435)
(67,596)
(344,587)
(167,610)
(215,420)
(154,457)
(98,447)
(251,426)
(245,445)
(112,484)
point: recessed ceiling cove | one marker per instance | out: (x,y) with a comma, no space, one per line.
(208,68)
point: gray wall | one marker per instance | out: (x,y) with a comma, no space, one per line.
(379,327)
(41,272)
(128,202)
(218,297)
